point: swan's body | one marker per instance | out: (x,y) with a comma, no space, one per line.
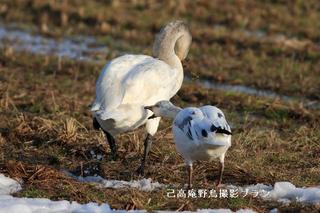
(127,84)
(130,82)
(199,133)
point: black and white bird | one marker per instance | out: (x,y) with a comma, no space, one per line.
(199,133)
(130,82)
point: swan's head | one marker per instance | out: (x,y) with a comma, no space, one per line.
(183,43)
(176,33)
(163,109)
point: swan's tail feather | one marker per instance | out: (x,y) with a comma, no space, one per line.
(95,107)
(106,115)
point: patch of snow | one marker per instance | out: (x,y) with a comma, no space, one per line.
(142,184)
(96,156)
(284,192)
(288,191)
(99,157)
(245,211)
(43,205)
(79,47)
(87,49)
(38,205)
(213,211)
(8,185)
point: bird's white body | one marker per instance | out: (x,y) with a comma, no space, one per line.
(191,143)
(192,151)
(199,133)
(126,85)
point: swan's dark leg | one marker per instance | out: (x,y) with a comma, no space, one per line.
(110,139)
(147,145)
(95,124)
(112,144)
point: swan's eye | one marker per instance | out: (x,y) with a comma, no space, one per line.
(204,133)
(220,115)
(193,113)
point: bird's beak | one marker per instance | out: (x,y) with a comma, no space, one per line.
(151,109)
(152,116)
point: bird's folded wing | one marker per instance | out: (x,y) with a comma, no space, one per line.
(149,83)
(110,89)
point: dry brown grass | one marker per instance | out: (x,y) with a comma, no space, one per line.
(227,42)
(45,125)
(69,132)
(272,141)
(50,181)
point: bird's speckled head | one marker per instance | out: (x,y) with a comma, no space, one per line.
(193,113)
(164,109)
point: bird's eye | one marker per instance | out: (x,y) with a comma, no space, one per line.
(193,113)
(204,133)
(213,128)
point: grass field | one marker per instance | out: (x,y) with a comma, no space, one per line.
(45,122)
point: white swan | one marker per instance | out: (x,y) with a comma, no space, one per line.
(199,133)
(130,82)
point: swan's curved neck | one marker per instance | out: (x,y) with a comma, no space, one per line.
(172,44)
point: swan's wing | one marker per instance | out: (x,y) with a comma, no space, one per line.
(109,90)
(102,86)
(149,82)
(216,116)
